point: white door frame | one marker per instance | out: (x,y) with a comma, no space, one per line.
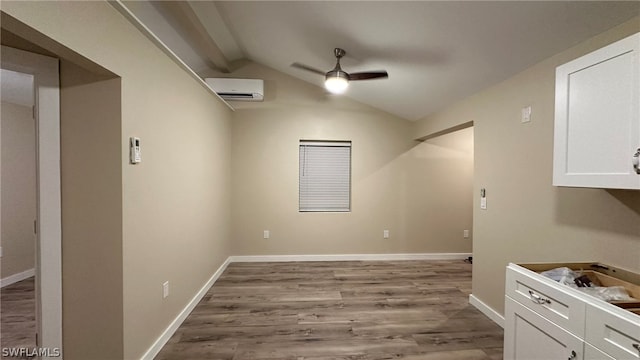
(45,71)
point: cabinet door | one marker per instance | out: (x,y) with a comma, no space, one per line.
(529,336)
(597,118)
(591,353)
(613,331)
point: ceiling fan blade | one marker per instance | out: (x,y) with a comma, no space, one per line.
(368,75)
(308,68)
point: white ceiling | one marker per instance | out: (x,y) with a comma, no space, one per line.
(16,88)
(436,52)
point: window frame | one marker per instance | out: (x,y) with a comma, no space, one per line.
(325,144)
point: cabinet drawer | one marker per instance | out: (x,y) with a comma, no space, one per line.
(547,298)
(529,336)
(616,334)
(591,353)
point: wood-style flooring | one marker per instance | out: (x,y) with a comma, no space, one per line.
(17,315)
(357,310)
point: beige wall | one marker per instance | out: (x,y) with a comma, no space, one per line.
(529,220)
(91,213)
(174,212)
(438,188)
(18,189)
(395,180)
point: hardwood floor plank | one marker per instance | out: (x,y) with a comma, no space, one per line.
(265,333)
(494,353)
(278,296)
(215,350)
(450,355)
(324,347)
(439,340)
(17,314)
(341,316)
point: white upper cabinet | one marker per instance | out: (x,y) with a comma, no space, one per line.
(597,118)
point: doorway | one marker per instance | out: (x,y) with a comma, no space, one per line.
(47,224)
(440,192)
(17,210)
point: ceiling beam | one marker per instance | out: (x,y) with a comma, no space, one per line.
(217,28)
(197,32)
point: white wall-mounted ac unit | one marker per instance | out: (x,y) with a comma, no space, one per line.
(237,89)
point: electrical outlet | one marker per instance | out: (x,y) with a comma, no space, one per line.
(165,289)
(385,234)
(266,234)
(465,234)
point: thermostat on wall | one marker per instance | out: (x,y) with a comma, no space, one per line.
(134,150)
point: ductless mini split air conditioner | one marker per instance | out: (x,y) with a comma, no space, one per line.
(237,89)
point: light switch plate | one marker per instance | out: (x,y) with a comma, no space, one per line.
(135,155)
(165,289)
(526,114)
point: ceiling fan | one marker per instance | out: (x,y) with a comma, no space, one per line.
(336,79)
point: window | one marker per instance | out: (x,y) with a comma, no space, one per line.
(325,176)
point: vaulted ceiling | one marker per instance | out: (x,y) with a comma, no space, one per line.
(436,52)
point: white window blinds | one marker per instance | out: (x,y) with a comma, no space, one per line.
(325,175)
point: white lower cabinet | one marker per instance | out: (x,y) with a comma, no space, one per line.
(529,336)
(545,320)
(591,353)
(555,305)
(613,333)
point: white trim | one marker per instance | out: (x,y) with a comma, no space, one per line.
(349,257)
(487,310)
(48,267)
(338,143)
(12,279)
(175,324)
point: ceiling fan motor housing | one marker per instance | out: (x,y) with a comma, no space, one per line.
(337,73)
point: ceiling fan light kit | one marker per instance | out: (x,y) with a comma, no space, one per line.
(337,80)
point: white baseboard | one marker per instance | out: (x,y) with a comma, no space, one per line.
(349,257)
(12,279)
(487,310)
(175,324)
